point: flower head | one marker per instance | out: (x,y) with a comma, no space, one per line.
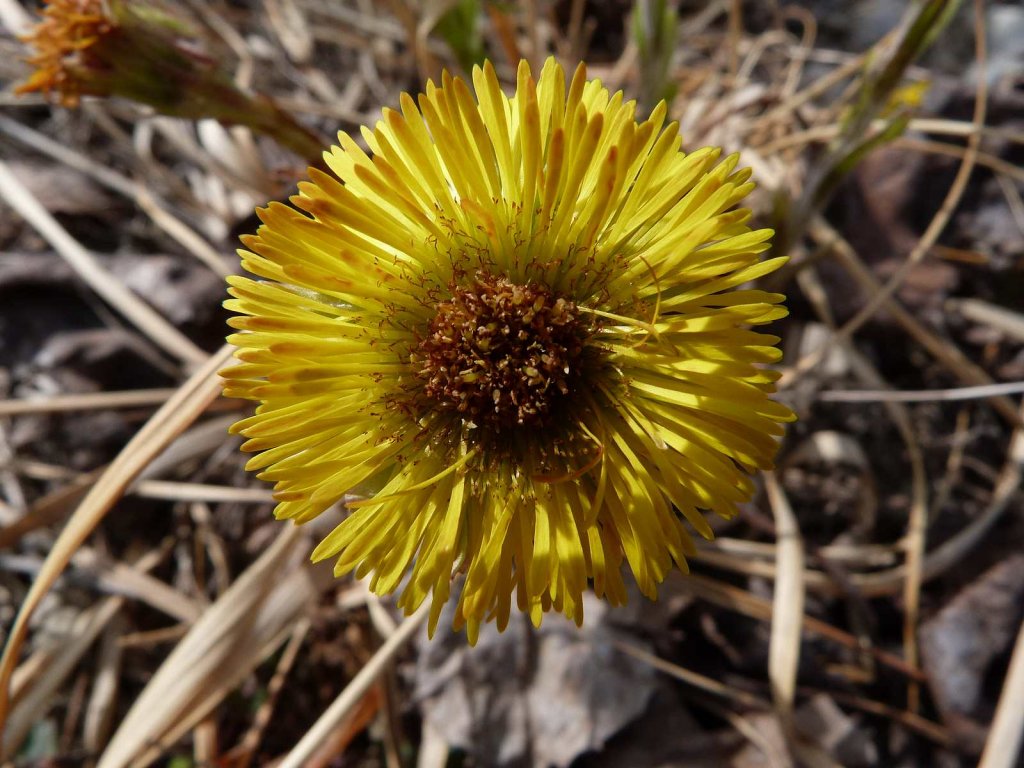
(140,50)
(511,327)
(63,39)
(118,48)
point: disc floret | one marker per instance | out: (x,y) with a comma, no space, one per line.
(500,355)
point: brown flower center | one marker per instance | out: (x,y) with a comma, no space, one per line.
(502,355)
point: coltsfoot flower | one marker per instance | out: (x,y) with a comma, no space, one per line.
(118,48)
(62,42)
(513,327)
(140,50)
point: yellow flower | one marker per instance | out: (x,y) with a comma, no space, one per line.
(512,328)
(129,48)
(63,39)
(139,50)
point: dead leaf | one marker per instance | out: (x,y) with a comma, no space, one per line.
(532,697)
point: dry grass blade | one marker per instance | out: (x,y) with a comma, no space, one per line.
(825,133)
(353,693)
(786,109)
(252,618)
(862,555)
(1014,200)
(808,754)
(787,604)
(98,400)
(433,751)
(1004,739)
(186,236)
(910,720)
(180,411)
(195,443)
(175,491)
(917,521)
(787,625)
(66,156)
(106,285)
(130,582)
(118,579)
(992,162)
(1002,319)
(55,506)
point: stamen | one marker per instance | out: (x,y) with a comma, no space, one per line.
(502,355)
